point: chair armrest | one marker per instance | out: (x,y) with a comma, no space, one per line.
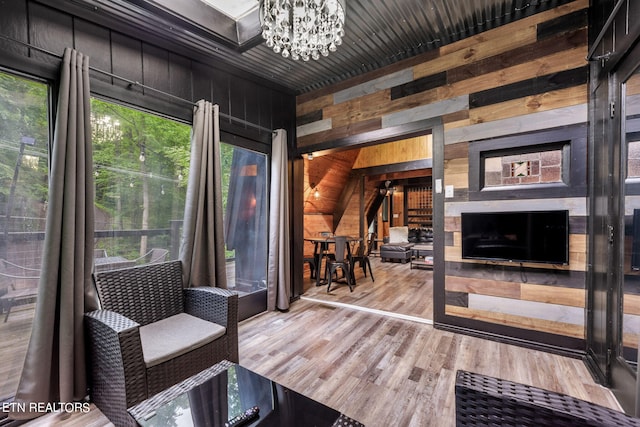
(218,306)
(116,360)
(213,304)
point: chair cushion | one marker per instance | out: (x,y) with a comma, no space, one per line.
(176,335)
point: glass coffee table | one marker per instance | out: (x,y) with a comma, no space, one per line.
(226,390)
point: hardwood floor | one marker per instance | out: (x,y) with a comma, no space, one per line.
(378,369)
(397,288)
(385,371)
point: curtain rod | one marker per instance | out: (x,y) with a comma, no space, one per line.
(133,83)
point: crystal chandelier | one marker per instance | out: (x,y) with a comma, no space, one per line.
(302,28)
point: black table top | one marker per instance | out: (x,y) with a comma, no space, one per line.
(226,390)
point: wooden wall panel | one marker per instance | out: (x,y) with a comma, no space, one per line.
(313,226)
(155,65)
(50,30)
(127,60)
(530,104)
(14,24)
(53,27)
(180,79)
(93,38)
(405,150)
(540,325)
(529,75)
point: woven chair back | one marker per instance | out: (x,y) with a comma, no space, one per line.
(145,294)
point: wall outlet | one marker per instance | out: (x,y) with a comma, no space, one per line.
(448,191)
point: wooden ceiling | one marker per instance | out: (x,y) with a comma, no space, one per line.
(336,176)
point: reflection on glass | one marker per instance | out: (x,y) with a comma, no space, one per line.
(244,188)
(631,290)
(24,139)
(229,394)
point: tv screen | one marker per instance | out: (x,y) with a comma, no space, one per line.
(531,236)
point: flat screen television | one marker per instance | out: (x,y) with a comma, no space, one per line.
(526,236)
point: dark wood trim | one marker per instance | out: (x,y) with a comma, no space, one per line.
(396,167)
(420,85)
(576,185)
(439,265)
(563,24)
(540,276)
(534,86)
(374,137)
(523,55)
(296,210)
(556,344)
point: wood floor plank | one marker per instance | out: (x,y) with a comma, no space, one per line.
(382,370)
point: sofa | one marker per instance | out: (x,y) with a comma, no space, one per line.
(401,242)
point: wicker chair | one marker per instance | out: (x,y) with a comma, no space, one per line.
(489,401)
(151,296)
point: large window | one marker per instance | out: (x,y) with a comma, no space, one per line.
(141,163)
(244,193)
(24,142)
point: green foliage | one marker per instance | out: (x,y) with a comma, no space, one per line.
(132,191)
(23,113)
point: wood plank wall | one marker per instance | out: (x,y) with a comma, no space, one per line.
(141,59)
(527,76)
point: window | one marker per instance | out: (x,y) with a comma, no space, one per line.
(24,142)
(141,163)
(538,165)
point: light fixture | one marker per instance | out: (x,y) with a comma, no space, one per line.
(310,156)
(316,192)
(302,29)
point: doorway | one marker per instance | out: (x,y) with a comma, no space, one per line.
(387,293)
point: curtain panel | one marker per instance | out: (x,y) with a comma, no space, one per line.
(54,368)
(202,247)
(279,265)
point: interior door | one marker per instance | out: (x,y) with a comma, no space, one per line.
(626,289)
(601,239)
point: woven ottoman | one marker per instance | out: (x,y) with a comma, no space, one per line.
(396,252)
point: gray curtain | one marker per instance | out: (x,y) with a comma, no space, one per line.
(202,248)
(54,368)
(279,267)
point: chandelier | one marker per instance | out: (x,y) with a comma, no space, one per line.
(302,29)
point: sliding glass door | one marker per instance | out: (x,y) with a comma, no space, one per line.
(245,199)
(24,143)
